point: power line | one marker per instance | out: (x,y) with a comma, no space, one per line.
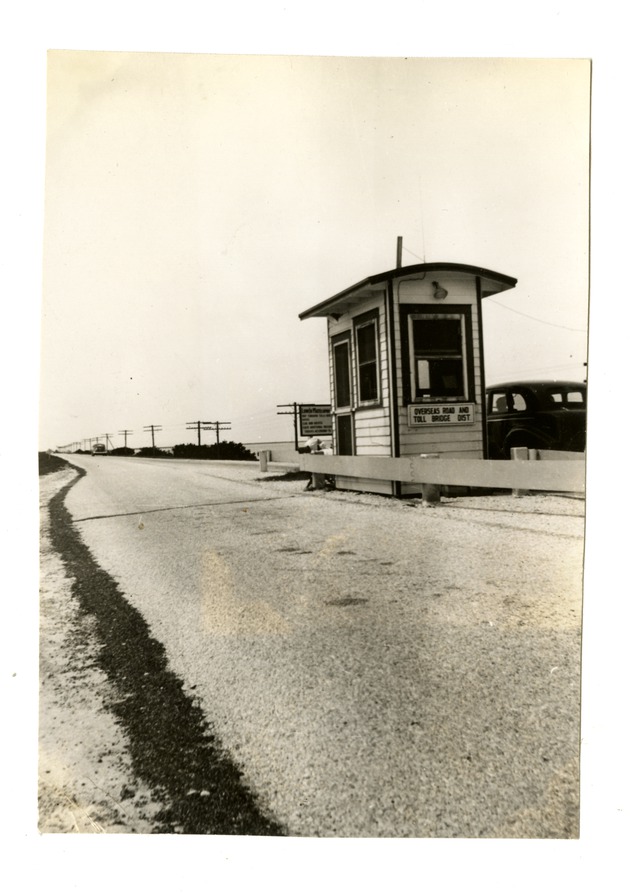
(535,318)
(199,426)
(534,370)
(413,254)
(221,426)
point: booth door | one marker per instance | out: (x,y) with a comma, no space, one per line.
(343,395)
(344,435)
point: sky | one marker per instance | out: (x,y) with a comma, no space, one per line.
(195,204)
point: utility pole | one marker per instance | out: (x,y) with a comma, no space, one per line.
(108,442)
(125,432)
(294,413)
(153,429)
(220,426)
(200,426)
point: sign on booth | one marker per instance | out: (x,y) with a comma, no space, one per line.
(442,414)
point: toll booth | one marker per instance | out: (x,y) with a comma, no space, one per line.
(406,365)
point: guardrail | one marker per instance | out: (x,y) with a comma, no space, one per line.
(564,475)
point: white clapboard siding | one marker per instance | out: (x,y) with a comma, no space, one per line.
(464,447)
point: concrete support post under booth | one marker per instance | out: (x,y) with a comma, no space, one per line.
(318,481)
(430,492)
(264,458)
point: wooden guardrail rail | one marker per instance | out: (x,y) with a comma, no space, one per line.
(562,475)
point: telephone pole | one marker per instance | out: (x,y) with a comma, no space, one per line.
(153,429)
(220,426)
(125,432)
(107,440)
(199,426)
(294,413)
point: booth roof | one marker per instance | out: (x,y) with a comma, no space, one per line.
(491,284)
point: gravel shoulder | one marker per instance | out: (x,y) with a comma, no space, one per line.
(86,781)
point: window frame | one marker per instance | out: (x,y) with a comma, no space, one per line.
(335,342)
(413,312)
(365,320)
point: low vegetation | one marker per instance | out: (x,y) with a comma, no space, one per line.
(49,463)
(224,450)
(153,453)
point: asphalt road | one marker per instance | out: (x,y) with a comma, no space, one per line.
(375,669)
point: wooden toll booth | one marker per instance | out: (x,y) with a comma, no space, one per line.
(406,365)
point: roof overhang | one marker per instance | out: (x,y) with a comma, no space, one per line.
(491,284)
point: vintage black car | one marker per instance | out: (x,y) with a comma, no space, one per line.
(99,449)
(543,415)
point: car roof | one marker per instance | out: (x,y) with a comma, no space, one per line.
(538,385)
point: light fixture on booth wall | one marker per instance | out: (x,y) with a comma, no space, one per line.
(439,293)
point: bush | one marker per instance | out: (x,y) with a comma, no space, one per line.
(224,450)
(122,451)
(153,453)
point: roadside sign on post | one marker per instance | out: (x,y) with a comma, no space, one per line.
(315,420)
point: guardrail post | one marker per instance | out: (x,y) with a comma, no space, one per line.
(520,454)
(430,492)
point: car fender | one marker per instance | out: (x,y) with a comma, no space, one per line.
(534,438)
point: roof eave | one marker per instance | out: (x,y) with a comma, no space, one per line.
(327,307)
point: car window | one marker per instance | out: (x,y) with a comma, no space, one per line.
(519,403)
(499,402)
(566,398)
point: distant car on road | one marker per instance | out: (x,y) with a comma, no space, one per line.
(99,449)
(543,415)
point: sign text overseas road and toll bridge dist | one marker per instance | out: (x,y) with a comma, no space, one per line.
(451,414)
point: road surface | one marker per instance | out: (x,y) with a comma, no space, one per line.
(376,669)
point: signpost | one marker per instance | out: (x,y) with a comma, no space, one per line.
(315,419)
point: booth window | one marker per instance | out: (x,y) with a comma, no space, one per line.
(366,340)
(438,357)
